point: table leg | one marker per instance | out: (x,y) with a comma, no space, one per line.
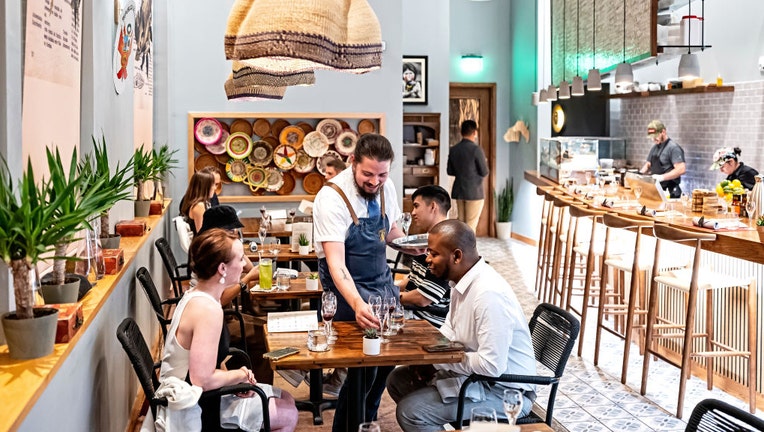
(356,397)
(316,404)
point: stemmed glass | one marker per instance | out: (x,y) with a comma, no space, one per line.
(328,309)
(397,319)
(292,212)
(388,305)
(261,233)
(637,192)
(375,301)
(273,248)
(686,204)
(588,175)
(750,208)
(513,404)
(405,222)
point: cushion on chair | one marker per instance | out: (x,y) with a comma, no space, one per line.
(185,235)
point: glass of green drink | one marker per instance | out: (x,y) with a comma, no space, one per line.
(266,274)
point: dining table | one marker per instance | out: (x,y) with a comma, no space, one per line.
(278,228)
(405,348)
(285,253)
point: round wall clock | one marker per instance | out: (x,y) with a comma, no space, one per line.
(558,118)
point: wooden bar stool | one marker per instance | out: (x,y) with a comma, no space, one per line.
(541,258)
(591,251)
(690,281)
(558,232)
(546,247)
(633,262)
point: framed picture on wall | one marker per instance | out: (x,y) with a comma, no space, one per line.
(414,80)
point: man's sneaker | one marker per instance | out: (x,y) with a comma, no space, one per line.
(292,376)
(333,382)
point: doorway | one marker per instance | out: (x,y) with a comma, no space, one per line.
(477,101)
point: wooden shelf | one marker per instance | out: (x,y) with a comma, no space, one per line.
(415,145)
(696,90)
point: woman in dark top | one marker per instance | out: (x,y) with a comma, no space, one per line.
(196,201)
(726,160)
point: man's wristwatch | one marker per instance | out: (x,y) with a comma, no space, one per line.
(243,286)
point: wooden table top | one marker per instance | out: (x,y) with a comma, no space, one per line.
(741,244)
(252,226)
(297,290)
(284,255)
(403,349)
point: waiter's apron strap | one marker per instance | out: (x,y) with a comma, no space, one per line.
(344,198)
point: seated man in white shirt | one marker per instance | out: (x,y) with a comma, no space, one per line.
(486,318)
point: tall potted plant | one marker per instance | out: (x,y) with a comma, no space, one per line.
(119,183)
(31,227)
(505,200)
(143,174)
(164,163)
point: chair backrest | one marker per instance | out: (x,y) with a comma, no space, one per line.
(156,302)
(554,332)
(131,338)
(168,258)
(712,415)
(185,235)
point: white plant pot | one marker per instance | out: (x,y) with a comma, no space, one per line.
(371,346)
(304,250)
(311,284)
(503,230)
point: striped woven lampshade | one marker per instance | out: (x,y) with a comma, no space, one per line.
(302,35)
(244,75)
(240,90)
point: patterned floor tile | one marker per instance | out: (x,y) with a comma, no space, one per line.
(626,425)
(642,409)
(586,427)
(663,422)
(590,399)
(573,415)
(607,411)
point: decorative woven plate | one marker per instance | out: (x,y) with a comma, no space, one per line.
(273,141)
(261,127)
(255,177)
(366,126)
(241,125)
(345,125)
(304,163)
(312,183)
(222,159)
(201,148)
(306,127)
(239,145)
(321,162)
(285,157)
(288,186)
(217,149)
(207,131)
(346,142)
(274,179)
(292,135)
(236,169)
(205,161)
(262,153)
(277,126)
(330,128)
(315,144)
(225,126)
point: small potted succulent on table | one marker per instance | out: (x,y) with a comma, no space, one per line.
(304,245)
(311,282)
(371,342)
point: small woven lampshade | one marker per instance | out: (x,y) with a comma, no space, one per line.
(240,91)
(245,75)
(304,35)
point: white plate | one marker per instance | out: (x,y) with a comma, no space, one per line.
(417,241)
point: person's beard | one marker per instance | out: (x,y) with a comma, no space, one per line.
(365,195)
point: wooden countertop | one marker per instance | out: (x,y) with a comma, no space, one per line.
(741,244)
(23,381)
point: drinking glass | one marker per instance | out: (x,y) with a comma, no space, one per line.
(283,281)
(263,212)
(328,309)
(368,427)
(405,222)
(482,417)
(266,274)
(388,306)
(750,207)
(513,404)
(375,302)
(292,212)
(317,340)
(588,175)
(261,233)
(637,192)
(273,248)
(397,319)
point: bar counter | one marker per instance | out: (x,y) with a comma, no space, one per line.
(87,383)
(739,253)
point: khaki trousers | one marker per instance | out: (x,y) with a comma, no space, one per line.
(468,211)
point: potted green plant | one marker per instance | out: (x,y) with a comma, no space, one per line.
(31,227)
(118,182)
(311,282)
(304,244)
(143,174)
(164,163)
(760,228)
(371,342)
(505,200)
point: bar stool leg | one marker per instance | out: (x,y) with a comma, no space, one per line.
(752,337)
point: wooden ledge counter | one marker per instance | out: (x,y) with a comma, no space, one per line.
(23,382)
(740,244)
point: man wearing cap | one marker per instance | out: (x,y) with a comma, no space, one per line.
(665,160)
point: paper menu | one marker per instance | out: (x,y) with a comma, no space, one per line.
(301,228)
(283,322)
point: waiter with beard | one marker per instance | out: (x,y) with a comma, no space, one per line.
(354,219)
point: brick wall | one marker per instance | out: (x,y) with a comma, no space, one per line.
(700,123)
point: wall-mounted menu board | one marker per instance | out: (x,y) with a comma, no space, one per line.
(582,37)
(273,157)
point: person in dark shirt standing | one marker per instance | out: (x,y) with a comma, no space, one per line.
(467,163)
(726,160)
(665,160)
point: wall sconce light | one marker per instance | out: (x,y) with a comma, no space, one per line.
(471,63)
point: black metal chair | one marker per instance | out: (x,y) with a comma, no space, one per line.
(156,302)
(179,273)
(712,415)
(137,351)
(553,332)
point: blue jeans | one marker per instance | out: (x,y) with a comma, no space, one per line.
(421,409)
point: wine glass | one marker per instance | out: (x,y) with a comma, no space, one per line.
(588,175)
(375,302)
(368,427)
(273,247)
(405,222)
(513,404)
(686,203)
(292,212)
(261,233)
(397,318)
(328,309)
(388,306)
(637,192)
(263,212)
(481,417)
(750,208)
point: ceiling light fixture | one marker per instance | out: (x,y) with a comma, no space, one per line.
(689,67)
(593,78)
(564,87)
(624,75)
(578,82)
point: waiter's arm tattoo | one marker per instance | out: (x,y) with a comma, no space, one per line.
(345,275)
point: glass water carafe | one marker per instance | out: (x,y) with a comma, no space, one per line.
(90,262)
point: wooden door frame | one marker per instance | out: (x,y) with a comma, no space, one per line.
(485,132)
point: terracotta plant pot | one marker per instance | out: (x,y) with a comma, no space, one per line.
(760,230)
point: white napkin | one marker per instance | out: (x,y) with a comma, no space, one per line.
(644,211)
(700,221)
